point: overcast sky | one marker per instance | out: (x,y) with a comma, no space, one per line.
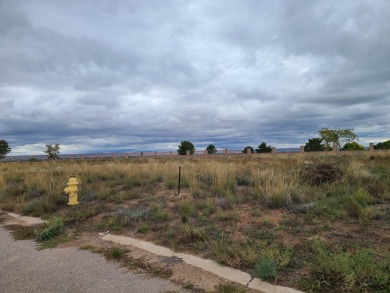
(125,75)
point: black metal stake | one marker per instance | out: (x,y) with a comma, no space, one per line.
(179,180)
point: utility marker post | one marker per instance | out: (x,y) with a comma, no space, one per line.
(178,192)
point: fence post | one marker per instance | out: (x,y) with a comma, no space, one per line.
(187,153)
(302,149)
(335,148)
(205,152)
(170,153)
(274,150)
(371,146)
(226,152)
(248,151)
(155,154)
(142,154)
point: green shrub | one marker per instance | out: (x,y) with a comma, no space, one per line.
(266,268)
(353,146)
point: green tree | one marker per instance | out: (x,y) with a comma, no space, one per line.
(211,149)
(382,145)
(314,145)
(248,147)
(338,137)
(263,148)
(4,149)
(186,146)
(52,151)
(353,146)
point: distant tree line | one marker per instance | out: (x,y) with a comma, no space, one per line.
(345,139)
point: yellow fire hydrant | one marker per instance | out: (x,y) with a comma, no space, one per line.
(72,190)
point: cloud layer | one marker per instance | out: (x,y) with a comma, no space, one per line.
(145,75)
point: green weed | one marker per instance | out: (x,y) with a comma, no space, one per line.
(51,229)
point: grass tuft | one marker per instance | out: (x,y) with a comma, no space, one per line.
(52,228)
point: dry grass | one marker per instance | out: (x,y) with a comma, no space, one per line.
(240,210)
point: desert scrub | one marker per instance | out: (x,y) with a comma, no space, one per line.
(316,174)
(80,213)
(126,217)
(345,204)
(339,270)
(158,213)
(41,206)
(245,254)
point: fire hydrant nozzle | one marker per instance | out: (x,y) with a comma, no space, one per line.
(72,190)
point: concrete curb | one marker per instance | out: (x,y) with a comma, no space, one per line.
(27,220)
(227,273)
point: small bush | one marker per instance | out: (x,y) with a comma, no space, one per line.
(321,173)
(52,228)
(266,268)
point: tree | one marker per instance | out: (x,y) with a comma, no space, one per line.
(186,146)
(52,151)
(263,148)
(314,145)
(4,149)
(338,137)
(382,145)
(353,146)
(211,149)
(248,147)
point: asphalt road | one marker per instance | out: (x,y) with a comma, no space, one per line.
(24,269)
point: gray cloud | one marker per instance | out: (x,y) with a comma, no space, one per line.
(144,75)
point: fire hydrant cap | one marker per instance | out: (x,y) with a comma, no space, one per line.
(73,181)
